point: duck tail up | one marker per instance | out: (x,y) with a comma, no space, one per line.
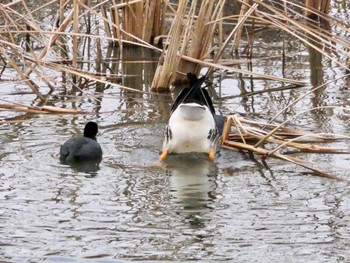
(194,93)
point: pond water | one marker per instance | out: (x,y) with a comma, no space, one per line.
(236,209)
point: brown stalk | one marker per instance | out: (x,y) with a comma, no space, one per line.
(106,25)
(88,76)
(264,152)
(288,120)
(301,97)
(29,82)
(293,32)
(135,40)
(261,134)
(164,72)
(239,127)
(244,72)
(75,32)
(233,33)
(227,143)
(343,25)
(239,30)
(52,40)
(115,24)
(303,146)
(40,110)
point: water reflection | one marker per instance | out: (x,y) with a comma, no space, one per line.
(317,72)
(315,56)
(90,168)
(192,186)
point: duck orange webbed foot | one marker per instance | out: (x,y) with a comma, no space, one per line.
(163,156)
(212,155)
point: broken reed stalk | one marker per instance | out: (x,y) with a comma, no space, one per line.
(29,82)
(241,71)
(52,40)
(307,34)
(169,60)
(75,32)
(239,30)
(262,141)
(39,110)
(301,97)
(227,142)
(233,33)
(106,25)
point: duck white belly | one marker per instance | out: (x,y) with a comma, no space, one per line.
(190,125)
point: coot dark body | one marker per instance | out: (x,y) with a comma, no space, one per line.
(83,148)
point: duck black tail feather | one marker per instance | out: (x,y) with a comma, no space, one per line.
(194,93)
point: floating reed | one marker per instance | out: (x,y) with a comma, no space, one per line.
(39,110)
(268,140)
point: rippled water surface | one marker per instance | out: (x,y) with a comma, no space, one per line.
(232,209)
(236,209)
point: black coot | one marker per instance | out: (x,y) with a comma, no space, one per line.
(82,148)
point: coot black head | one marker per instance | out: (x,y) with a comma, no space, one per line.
(91,130)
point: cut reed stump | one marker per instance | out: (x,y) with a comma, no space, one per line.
(140,19)
(267,140)
(315,6)
(191,35)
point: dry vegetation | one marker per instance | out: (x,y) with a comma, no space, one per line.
(51,53)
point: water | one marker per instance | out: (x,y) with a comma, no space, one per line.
(236,209)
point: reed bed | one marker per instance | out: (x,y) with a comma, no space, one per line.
(195,38)
(288,16)
(75,49)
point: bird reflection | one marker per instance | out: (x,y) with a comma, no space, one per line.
(192,185)
(90,168)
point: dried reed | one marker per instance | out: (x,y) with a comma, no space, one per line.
(190,35)
(251,136)
(277,17)
(193,35)
(316,6)
(140,19)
